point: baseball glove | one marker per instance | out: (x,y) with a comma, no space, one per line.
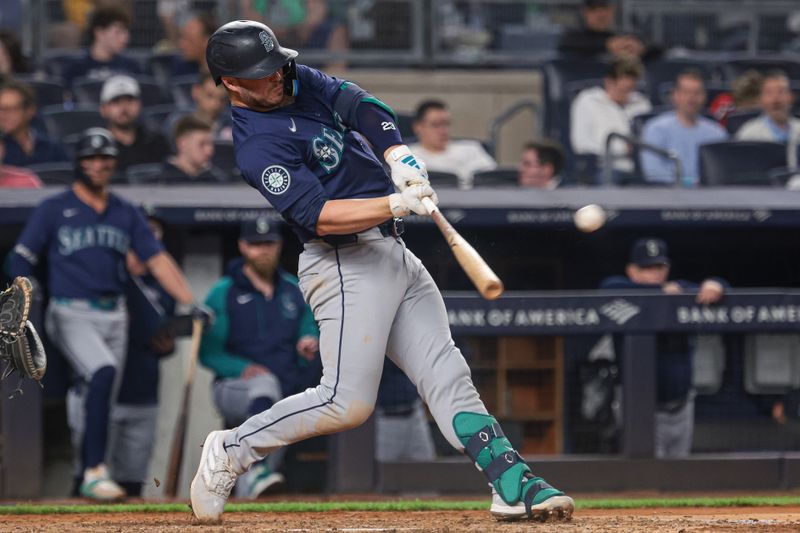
(25,355)
(15,304)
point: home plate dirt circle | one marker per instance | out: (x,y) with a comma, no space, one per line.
(687,520)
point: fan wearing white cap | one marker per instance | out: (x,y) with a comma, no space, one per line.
(121,107)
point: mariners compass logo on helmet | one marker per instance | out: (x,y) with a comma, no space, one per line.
(276,179)
(267,41)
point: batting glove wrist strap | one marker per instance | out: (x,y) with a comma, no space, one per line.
(405,168)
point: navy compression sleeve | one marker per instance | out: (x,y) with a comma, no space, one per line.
(366,114)
(378,126)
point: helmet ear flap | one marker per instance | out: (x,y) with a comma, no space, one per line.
(290,78)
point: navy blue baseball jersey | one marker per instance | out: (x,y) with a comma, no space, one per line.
(250,328)
(85,250)
(301,155)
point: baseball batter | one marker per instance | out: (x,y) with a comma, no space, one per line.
(301,140)
(84,234)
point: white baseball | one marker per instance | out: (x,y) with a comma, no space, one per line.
(589,218)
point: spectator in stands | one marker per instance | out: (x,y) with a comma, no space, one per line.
(169,13)
(541,165)
(108,30)
(441,154)
(132,431)
(194,150)
(402,432)
(121,106)
(24,146)
(648,269)
(596,37)
(681,131)
(211,105)
(308,25)
(776,123)
(192,41)
(598,111)
(12,60)
(745,95)
(263,342)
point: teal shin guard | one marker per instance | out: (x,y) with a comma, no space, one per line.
(487,446)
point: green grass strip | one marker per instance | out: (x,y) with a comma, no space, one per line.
(397,505)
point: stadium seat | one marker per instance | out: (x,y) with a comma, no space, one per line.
(734,68)
(740,162)
(404,124)
(583,169)
(87,91)
(59,173)
(61,123)
(56,61)
(443,179)
(771,363)
(225,159)
(47,92)
(638,122)
(499,176)
(144,173)
(557,74)
(181,88)
(160,66)
(737,119)
(708,364)
(162,118)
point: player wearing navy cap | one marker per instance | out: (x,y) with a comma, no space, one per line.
(301,140)
(84,234)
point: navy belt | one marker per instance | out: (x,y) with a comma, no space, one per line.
(391,228)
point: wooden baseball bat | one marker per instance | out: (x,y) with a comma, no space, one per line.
(179,437)
(482,276)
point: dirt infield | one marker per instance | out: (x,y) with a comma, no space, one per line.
(685,520)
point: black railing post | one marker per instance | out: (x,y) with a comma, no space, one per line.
(638,395)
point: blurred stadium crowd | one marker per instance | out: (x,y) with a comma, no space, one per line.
(710,111)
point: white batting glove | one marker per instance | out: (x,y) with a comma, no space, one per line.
(410,199)
(406,168)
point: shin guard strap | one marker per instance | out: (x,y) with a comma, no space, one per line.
(500,464)
(534,487)
(482,439)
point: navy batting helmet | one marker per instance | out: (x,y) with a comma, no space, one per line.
(245,49)
(96,141)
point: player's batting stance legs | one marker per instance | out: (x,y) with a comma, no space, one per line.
(372,298)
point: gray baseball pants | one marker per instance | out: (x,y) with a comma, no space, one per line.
(371,298)
(89,338)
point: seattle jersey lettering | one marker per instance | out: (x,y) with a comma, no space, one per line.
(72,239)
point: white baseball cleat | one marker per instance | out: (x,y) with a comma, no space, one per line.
(213,481)
(553,508)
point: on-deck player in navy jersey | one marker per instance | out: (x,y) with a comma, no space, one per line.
(84,234)
(298,140)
